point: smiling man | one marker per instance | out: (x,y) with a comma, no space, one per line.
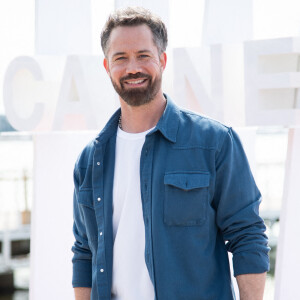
(162,194)
(135,45)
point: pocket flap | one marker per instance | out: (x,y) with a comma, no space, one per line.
(187,181)
(85,197)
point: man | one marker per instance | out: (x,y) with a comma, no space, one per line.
(162,194)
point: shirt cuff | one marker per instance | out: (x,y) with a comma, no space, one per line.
(82,273)
(250,263)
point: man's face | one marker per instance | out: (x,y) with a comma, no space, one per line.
(134,64)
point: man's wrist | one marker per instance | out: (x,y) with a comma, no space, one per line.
(251,286)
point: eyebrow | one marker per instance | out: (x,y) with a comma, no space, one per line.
(143,51)
(118,53)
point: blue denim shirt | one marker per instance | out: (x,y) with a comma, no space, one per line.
(199,201)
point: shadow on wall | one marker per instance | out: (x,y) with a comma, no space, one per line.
(5,125)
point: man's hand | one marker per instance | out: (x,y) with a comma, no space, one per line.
(251,286)
(82,293)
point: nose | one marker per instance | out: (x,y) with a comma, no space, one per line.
(133,66)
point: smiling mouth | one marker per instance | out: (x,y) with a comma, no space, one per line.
(135,82)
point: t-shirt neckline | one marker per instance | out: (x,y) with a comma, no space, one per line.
(132,136)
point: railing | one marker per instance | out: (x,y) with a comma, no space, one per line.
(14,250)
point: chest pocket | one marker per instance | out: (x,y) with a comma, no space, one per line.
(186,198)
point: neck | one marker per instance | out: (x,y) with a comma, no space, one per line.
(137,119)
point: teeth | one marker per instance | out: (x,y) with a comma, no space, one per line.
(136,82)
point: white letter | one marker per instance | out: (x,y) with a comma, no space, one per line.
(19,93)
(272,82)
(74,109)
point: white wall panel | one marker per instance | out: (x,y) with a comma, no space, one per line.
(63,27)
(52,215)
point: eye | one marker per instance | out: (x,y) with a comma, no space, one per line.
(144,56)
(120,58)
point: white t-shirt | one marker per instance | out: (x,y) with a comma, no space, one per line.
(130,277)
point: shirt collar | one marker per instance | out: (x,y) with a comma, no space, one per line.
(110,128)
(167,124)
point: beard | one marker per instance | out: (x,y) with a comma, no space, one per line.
(138,96)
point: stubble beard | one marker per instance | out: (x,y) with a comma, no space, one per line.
(138,96)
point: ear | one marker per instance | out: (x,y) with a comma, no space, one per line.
(163,60)
(105,64)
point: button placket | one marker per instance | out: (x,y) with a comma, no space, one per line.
(99,195)
(146,179)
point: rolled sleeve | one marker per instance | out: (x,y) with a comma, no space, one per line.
(237,201)
(82,258)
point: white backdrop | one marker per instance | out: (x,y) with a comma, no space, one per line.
(52,218)
(232,77)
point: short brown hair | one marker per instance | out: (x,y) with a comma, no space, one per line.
(134,16)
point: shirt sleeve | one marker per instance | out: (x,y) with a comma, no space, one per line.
(82,258)
(237,201)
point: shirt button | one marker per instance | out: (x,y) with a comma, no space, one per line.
(101,233)
(98,163)
(101,270)
(99,199)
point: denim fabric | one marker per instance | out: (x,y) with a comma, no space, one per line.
(199,201)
